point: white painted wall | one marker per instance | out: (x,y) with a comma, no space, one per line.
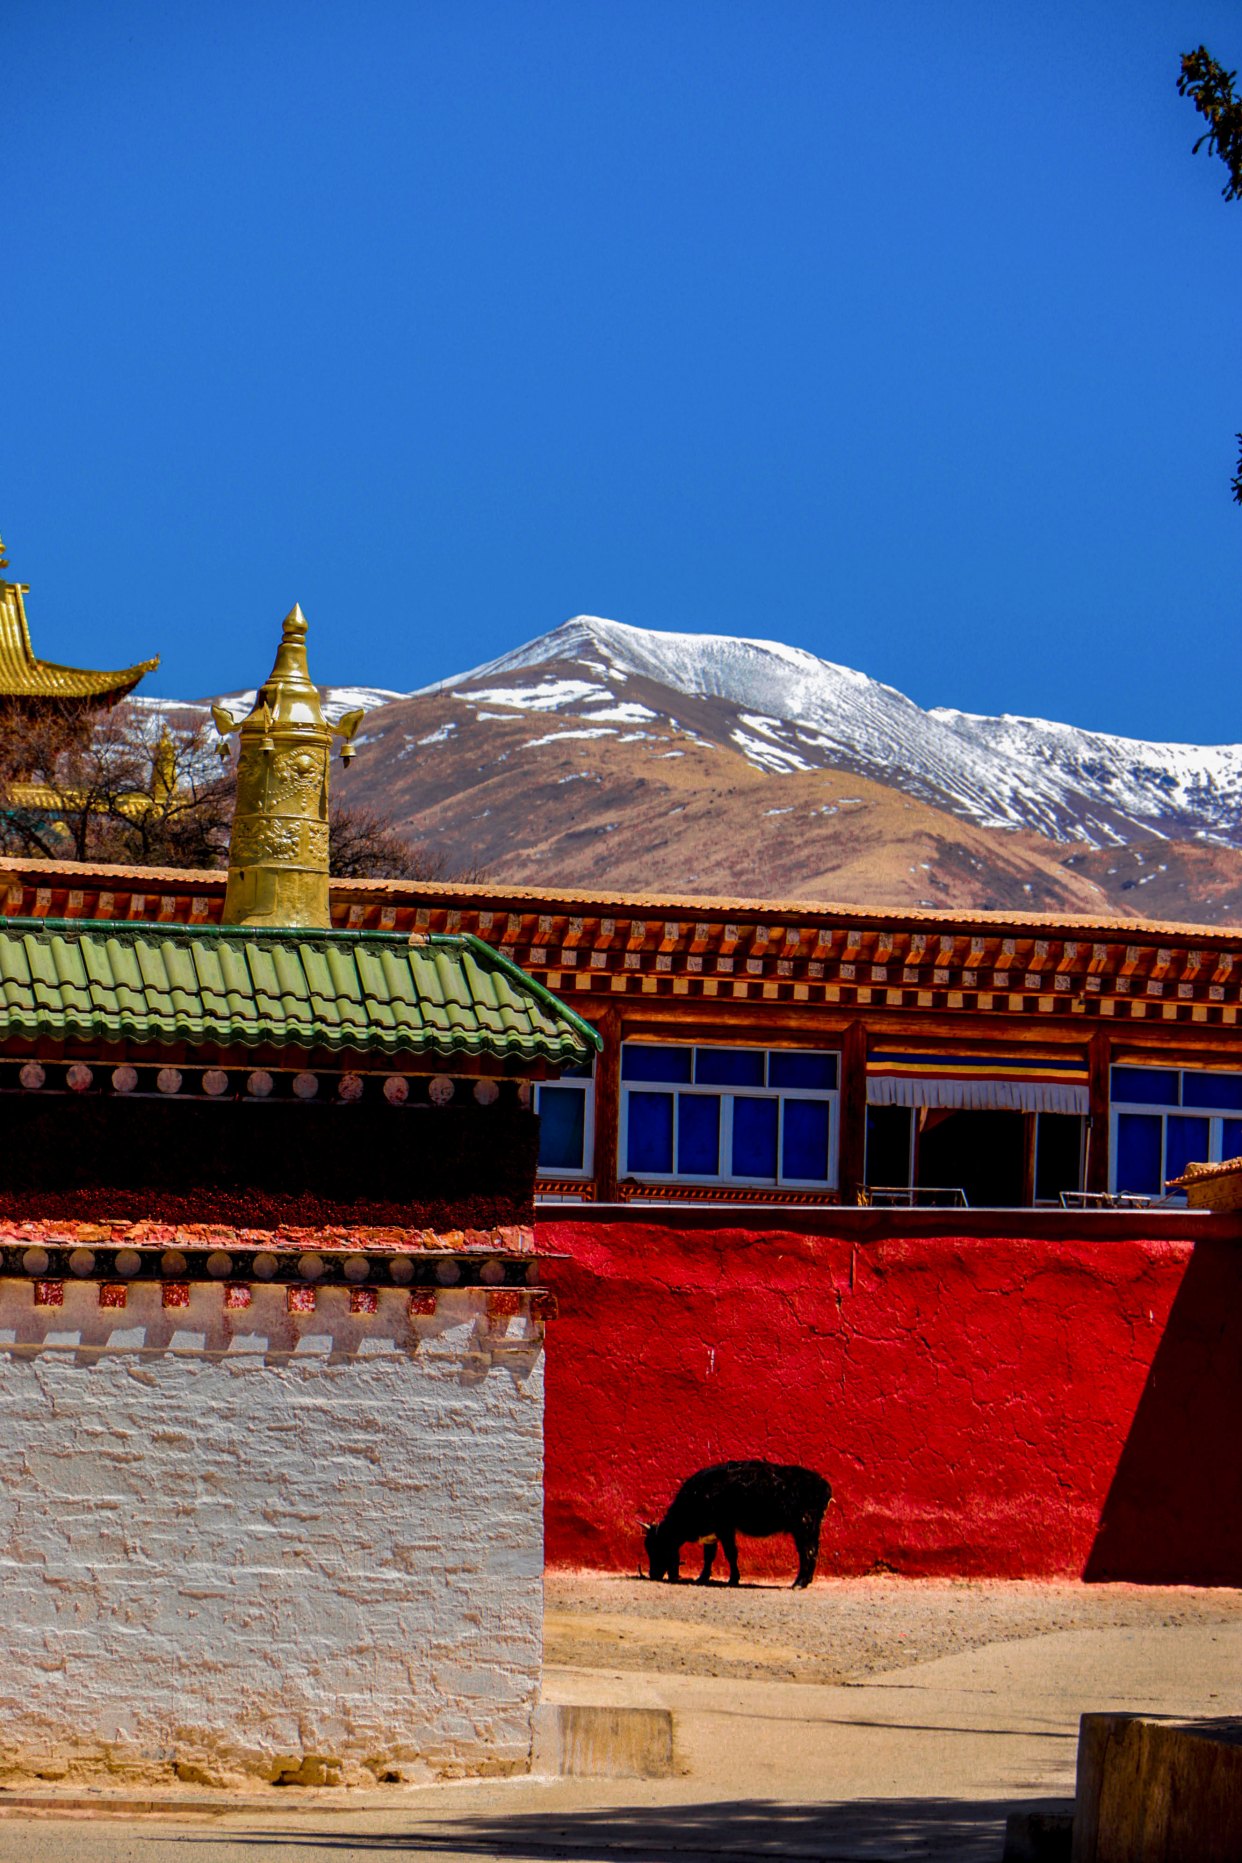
(229,1541)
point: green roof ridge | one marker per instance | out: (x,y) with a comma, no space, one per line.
(426,997)
(538,990)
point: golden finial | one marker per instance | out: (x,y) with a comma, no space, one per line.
(278,850)
(164,768)
(4,561)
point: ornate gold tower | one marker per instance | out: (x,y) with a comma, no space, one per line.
(278,850)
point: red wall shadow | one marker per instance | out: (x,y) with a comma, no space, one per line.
(1173,1512)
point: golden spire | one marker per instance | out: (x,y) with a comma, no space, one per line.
(164,768)
(278,850)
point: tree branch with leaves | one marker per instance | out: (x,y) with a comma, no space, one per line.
(1210,88)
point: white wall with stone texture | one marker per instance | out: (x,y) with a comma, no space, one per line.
(247,1542)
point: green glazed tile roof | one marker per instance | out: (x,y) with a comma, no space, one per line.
(375,992)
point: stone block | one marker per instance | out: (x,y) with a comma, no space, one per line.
(1153,1791)
(602,1743)
(1039,1837)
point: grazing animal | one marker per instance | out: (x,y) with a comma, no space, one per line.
(756,1498)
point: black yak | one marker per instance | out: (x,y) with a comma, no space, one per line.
(756,1498)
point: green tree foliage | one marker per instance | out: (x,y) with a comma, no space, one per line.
(1210,88)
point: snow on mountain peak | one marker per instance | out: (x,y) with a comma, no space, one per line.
(791,710)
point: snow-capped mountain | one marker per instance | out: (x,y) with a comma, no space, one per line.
(786,710)
(603,755)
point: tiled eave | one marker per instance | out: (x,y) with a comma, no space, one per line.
(597,948)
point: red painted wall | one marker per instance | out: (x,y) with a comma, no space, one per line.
(1005,1404)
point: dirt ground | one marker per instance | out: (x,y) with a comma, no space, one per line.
(841,1630)
(872,1720)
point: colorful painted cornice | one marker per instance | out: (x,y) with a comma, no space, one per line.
(601,948)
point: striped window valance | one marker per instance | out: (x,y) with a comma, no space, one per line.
(982,1082)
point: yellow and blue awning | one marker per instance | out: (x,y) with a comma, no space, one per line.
(981,1082)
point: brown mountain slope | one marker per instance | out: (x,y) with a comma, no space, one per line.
(551,799)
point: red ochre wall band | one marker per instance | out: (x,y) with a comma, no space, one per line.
(982,1406)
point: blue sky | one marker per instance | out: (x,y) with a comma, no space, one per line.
(905,333)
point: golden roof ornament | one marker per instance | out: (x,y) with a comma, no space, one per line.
(278,849)
(41,684)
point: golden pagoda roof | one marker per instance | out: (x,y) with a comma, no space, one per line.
(23,675)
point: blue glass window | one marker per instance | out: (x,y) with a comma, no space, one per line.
(754,1137)
(804,1140)
(643,1061)
(729,1067)
(650,1145)
(1186,1143)
(562,1128)
(1138,1153)
(1231,1138)
(1213,1090)
(698,1134)
(719,1112)
(812,1072)
(1148,1086)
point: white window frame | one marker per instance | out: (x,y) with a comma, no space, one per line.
(584,1083)
(1215,1121)
(726,1096)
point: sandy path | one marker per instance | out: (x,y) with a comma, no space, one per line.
(841,1630)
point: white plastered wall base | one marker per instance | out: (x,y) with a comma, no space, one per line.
(255,1545)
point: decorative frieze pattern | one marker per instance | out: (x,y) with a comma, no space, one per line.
(1133,975)
(366,1264)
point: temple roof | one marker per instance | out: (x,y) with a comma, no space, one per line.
(634,952)
(23,675)
(365,992)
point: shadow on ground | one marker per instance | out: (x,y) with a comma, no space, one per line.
(861,1831)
